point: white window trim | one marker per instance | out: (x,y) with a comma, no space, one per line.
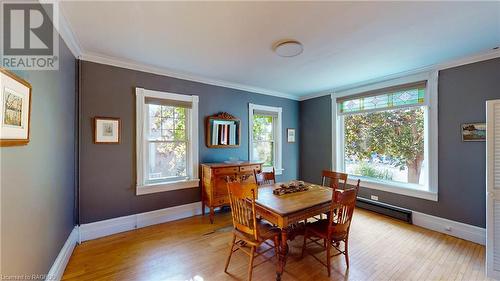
(193,180)
(278,168)
(431,138)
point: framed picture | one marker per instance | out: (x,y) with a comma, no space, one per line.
(15,109)
(107,130)
(290,135)
(473,132)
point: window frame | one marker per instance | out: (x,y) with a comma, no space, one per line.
(277,134)
(430,133)
(143,186)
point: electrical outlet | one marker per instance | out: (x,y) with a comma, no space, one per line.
(374,197)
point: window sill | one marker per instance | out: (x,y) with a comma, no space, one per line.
(423,194)
(162,187)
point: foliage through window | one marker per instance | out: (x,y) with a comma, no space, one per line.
(384,135)
(263,139)
(386,145)
(167,143)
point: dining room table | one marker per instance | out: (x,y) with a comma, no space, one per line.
(288,211)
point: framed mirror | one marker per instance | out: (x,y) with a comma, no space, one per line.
(223,130)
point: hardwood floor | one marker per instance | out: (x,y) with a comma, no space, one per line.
(193,249)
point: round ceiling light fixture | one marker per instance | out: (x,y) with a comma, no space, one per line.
(288,48)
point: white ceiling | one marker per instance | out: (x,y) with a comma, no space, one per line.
(344,42)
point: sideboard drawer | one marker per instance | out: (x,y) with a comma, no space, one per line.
(249,168)
(229,170)
(214,183)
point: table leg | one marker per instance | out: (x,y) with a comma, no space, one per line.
(282,255)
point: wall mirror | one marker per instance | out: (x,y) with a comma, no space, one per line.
(223,130)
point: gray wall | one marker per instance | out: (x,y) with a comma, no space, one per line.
(107,187)
(462,94)
(37,180)
(315,138)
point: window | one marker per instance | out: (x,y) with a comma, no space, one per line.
(167,146)
(385,136)
(265,136)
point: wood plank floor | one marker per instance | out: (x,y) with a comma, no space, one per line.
(193,249)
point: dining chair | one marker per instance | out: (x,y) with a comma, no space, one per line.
(248,231)
(264,177)
(335,229)
(335,180)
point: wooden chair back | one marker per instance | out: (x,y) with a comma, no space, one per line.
(264,177)
(242,201)
(335,180)
(342,209)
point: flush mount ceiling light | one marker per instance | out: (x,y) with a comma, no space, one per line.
(288,48)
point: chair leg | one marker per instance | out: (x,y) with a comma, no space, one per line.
(277,247)
(304,245)
(230,253)
(328,257)
(346,243)
(250,264)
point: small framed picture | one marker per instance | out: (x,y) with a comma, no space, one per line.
(15,109)
(106,130)
(290,135)
(473,132)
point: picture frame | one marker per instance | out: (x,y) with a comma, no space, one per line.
(15,109)
(473,132)
(107,130)
(290,135)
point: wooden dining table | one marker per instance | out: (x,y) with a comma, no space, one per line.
(286,211)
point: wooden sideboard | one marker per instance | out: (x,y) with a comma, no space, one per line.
(214,179)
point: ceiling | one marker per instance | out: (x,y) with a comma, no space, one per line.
(344,42)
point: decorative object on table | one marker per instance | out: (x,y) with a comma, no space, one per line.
(473,132)
(290,135)
(107,130)
(222,130)
(15,109)
(292,187)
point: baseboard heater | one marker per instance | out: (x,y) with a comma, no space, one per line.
(385,209)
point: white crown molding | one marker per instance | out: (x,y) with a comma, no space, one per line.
(59,265)
(133,65)
(103,228)
(66,32)
(315,95)
(481,56)
(64,28)
(453,228)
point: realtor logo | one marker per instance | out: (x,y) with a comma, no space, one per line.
(29,40)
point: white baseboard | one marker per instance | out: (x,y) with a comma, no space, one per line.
(453,228)
(103,228)
(62,259)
